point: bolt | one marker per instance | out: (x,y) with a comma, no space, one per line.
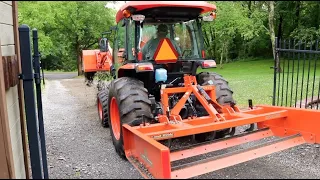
(143,120)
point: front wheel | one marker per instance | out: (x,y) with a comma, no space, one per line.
(128,102)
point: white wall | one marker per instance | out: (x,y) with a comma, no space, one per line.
(8,49)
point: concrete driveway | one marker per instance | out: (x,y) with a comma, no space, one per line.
(60,75)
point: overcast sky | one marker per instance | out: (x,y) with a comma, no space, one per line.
(116,5)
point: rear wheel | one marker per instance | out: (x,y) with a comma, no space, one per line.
(128,101)
(102,104)
(224,95)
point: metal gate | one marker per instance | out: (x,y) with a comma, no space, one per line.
(33,105)
(297,74)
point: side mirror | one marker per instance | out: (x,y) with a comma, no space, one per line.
(103,45)
(212,16)
(113,28)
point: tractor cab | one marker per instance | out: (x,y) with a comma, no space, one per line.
(166,34)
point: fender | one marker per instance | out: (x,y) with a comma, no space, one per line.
(207,64)
(137,67)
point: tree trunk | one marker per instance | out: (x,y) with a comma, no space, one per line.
(317,18)
(215,43)
(272,33)
(278,41)
(226,54)
(222,55)
(271,26)
(206,39)
(213,38)
(297,14)
(80,72)
(221,59)
(249,9)
(280,28)
(212,42)
(79,57)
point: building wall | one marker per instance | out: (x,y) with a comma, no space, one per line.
(8,49)
(6,26)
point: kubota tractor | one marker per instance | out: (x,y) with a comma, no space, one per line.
(157,95)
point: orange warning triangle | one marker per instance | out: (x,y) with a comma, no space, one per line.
(165,52)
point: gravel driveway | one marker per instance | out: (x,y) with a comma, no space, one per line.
(79,147)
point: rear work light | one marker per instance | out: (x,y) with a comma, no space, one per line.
(144,67)
(208,64)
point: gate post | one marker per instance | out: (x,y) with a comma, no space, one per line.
(29,99)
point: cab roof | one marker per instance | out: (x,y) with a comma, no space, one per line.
(137,6)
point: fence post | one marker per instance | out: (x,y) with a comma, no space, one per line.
(29,99)
(36,58)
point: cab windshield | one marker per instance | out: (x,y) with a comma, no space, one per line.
(183,35)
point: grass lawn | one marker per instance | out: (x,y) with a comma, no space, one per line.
(249,80)
(254,80)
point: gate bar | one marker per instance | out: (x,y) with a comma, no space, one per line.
(39,102)
(298,51)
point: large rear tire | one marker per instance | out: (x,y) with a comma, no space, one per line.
(128,101)
(224,95)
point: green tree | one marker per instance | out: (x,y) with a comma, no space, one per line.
(66,28)
(82,23)
(242,29)
(234,25)
(38,15)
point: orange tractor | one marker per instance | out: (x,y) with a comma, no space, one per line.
(157,96)
(98,60)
